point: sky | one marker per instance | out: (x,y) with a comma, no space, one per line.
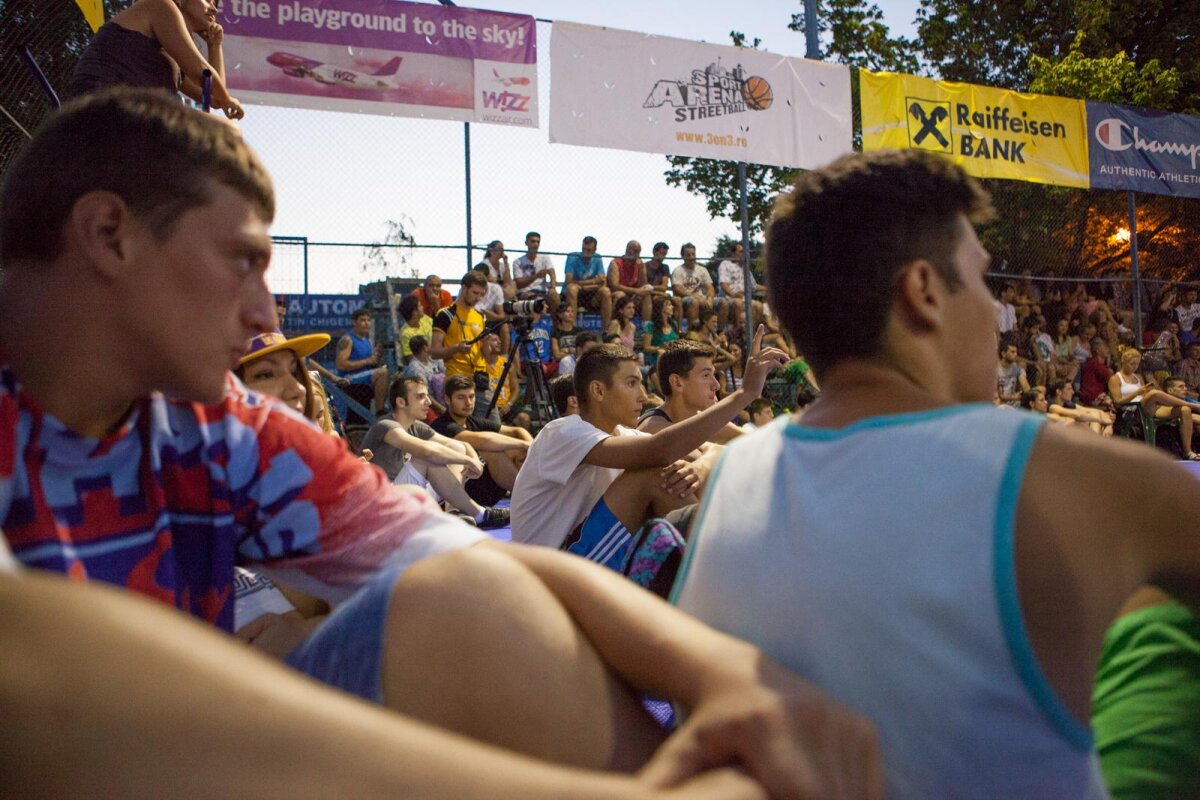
(341,177)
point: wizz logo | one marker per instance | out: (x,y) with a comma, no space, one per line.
(506,101)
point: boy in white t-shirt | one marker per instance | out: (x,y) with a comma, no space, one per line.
(590,481)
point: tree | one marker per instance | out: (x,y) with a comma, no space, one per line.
(389,258)
(858,37)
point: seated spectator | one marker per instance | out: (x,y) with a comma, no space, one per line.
(412,453)
(689,386)
(692,285)
(942,618)
(432,297)
(495,266)
(590,481)
(274,365)
(587,283)
(1010,376)
(1188,310)
(584,341)
(149,44)
(1006,313)
(181,473)
(1188,369)
(1127,386)
(502,447)
(458,328)
(491,304)
(627,277)
(562,393)
(761,411)
(1036,348)
(1063,344)
(726,356)
(1060,396)
(430,370)
(658,275)
(357,358)
(656,333)
(564,334)
(1093,384)
(495,359)
(731,275)
(414,322)
(534,273)
(1165,350)
(623,326)
(775,337)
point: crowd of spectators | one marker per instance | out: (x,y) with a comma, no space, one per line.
(1069,350)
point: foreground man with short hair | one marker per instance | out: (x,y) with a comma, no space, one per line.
(951,567)
(128,455)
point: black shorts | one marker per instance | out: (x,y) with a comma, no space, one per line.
(484,489)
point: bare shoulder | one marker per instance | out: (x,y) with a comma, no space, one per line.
(653,424)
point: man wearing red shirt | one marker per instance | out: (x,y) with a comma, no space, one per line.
(432,297)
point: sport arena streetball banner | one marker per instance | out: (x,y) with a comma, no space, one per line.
(656,94)
(1137,150)
(991,133)
(383,57)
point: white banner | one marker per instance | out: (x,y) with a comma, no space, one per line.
(656,94)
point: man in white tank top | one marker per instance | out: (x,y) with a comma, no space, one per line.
(946,568)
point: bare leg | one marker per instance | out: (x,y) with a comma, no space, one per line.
(723,307)
(379,382)
(446,484)
(502,468)
(647,306)
(484,649)
(606,304)
(572,296)
(637,495)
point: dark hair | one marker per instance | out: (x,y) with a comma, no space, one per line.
(399,388)
(474,278)
(707,314)
(1055,386)
(598,364)
(1027,398)
(757,405)
(678,358)
(456,383)
(660,246)
(532,233)
(685,246)
(361,312)
(407,306)
(869,214)
(160,157)
(562,389)
(418,344)
(590,240)
(492,244)
(609,338)
(583,338)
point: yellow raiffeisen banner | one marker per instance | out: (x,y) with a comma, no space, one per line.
(991,133)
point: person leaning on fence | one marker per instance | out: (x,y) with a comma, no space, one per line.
(149,44)
(181,473)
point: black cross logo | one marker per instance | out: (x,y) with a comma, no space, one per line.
(929,123)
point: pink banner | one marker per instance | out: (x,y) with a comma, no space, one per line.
(383,57)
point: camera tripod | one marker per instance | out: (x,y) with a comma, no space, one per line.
(537,392)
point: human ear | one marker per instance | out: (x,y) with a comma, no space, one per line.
(101,227)
(920,294)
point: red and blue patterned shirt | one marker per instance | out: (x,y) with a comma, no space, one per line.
(167,504)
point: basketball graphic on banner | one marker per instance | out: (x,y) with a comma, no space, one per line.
(757,92)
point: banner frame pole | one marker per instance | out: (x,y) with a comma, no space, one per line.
(1133,267)
(467,187)
(747,278)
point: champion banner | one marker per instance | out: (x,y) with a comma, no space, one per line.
(991,133)
(1143,151)
(655,94)
(383,57)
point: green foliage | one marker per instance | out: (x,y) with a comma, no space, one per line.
(1111,79)
(859,37)
(389,258)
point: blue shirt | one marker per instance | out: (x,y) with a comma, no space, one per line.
(583,271)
